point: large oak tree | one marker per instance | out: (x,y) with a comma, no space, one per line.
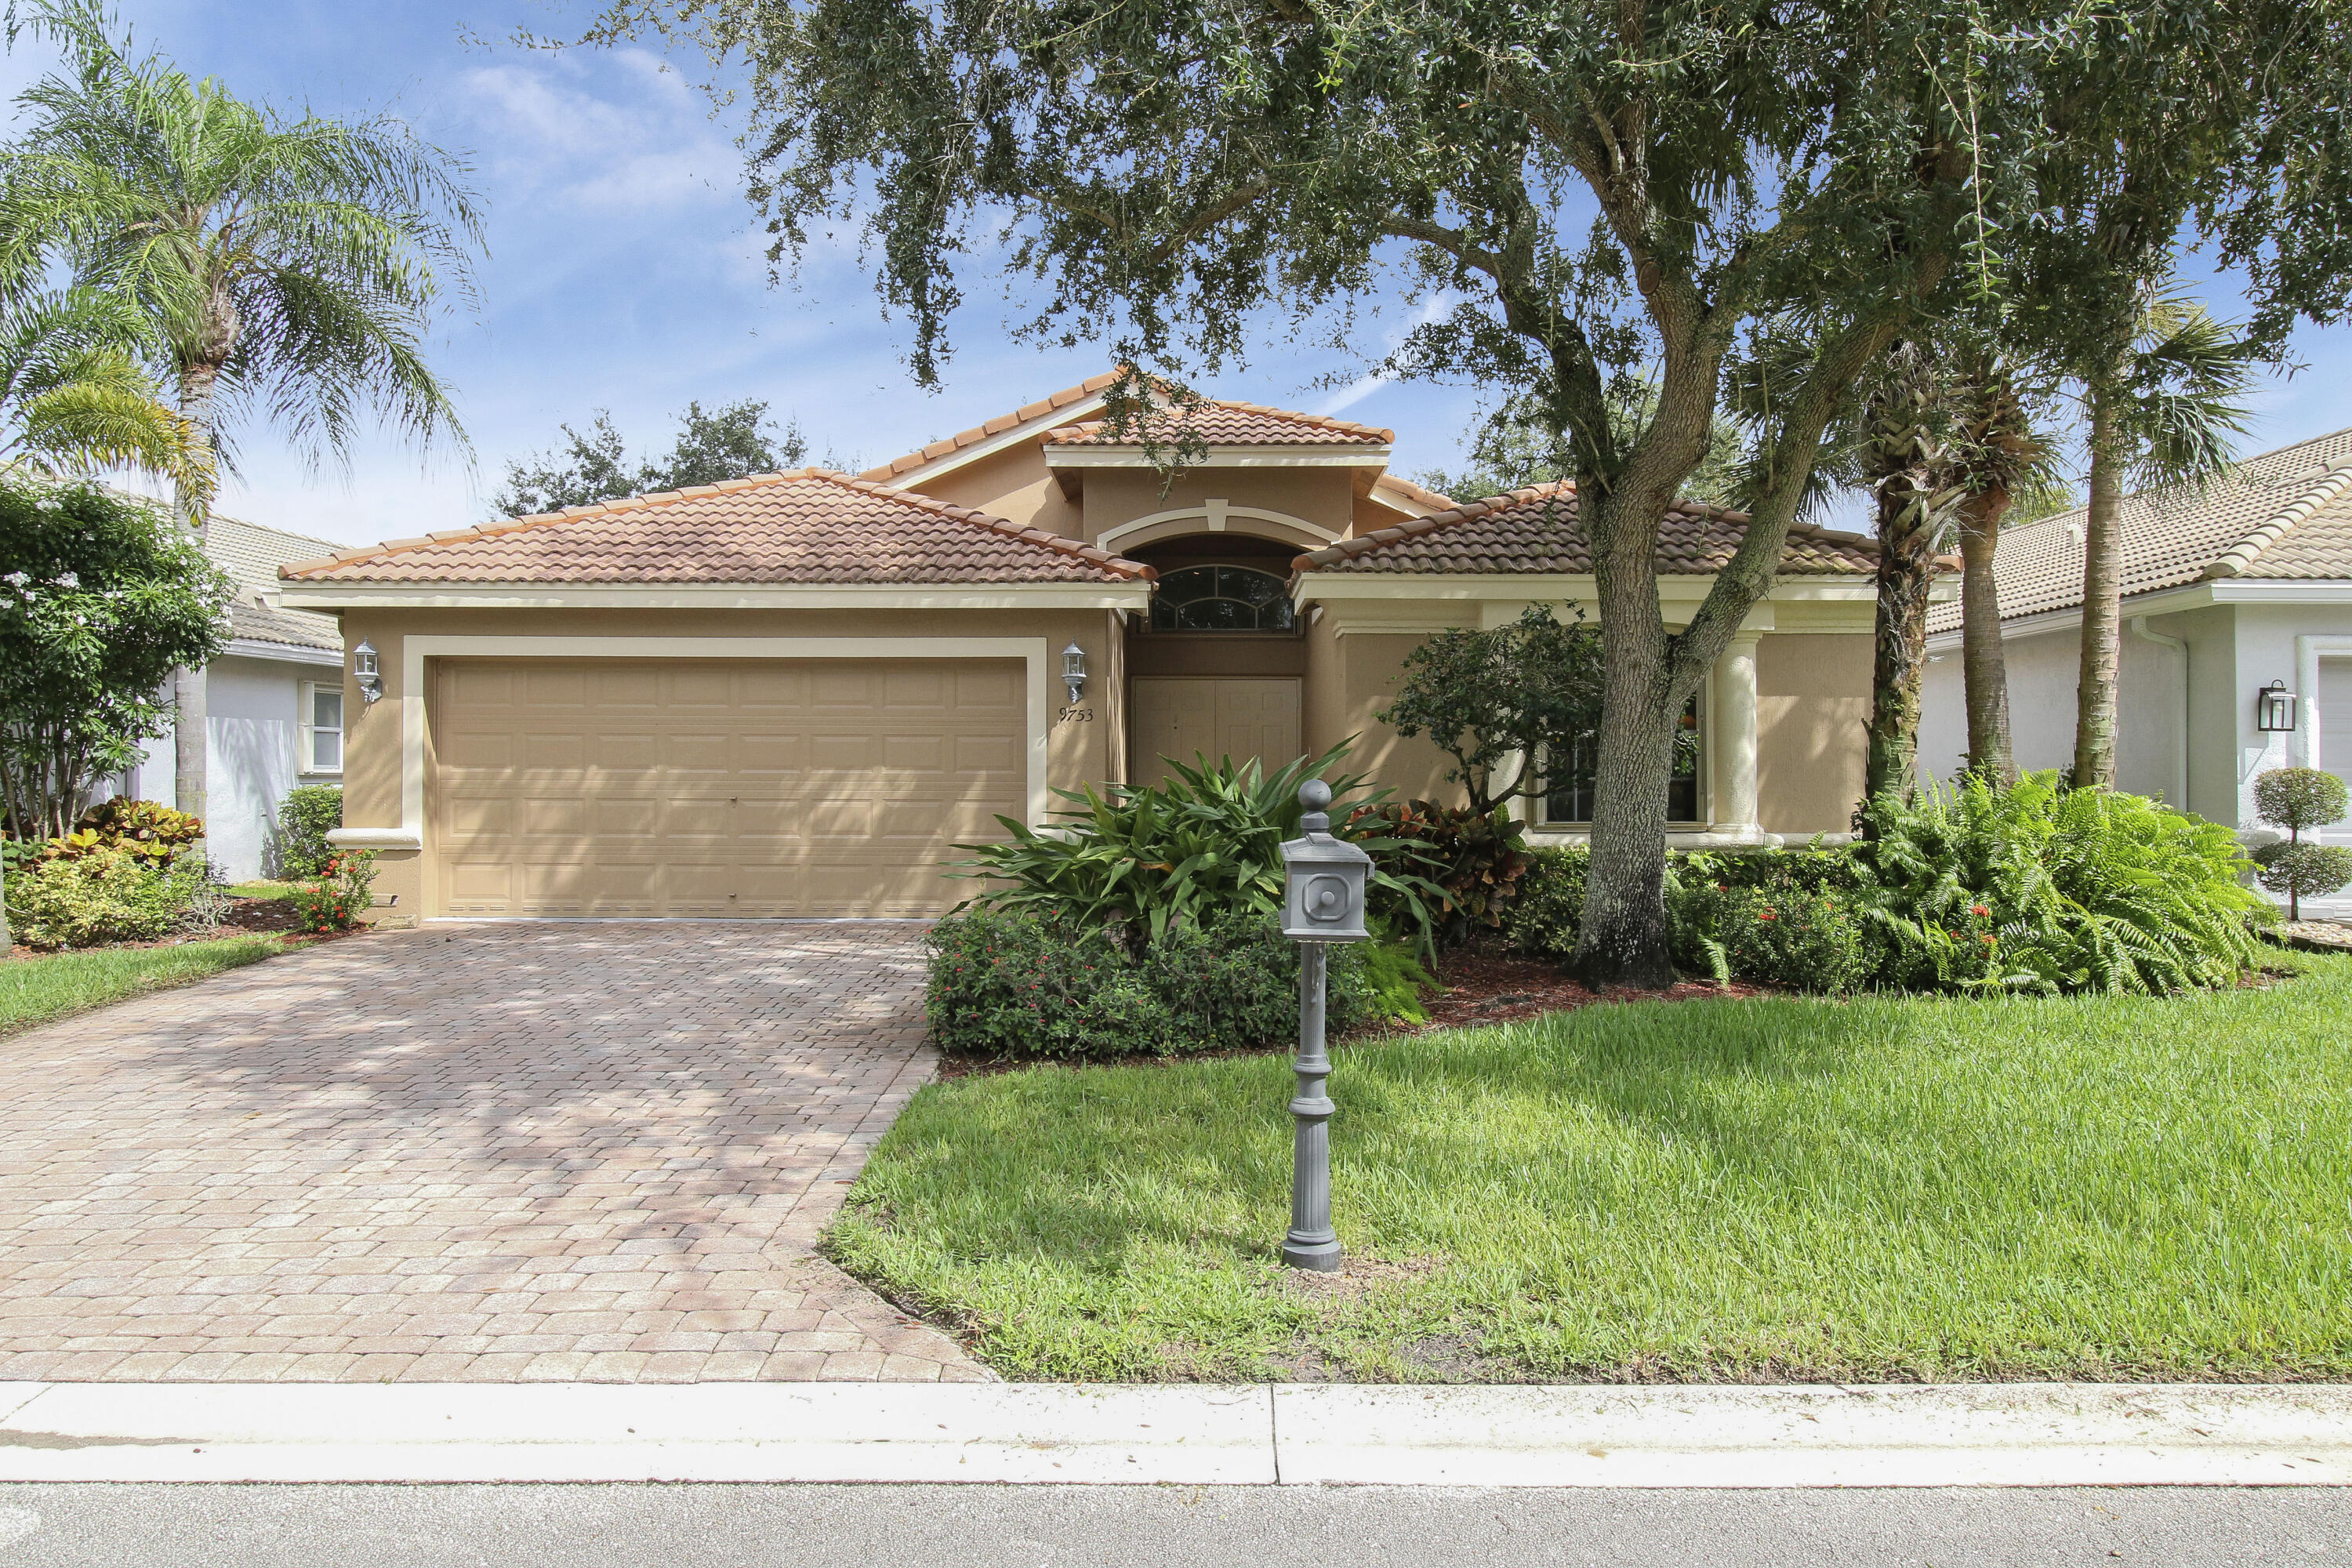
(1610,193)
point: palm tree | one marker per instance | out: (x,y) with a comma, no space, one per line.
(75,397)
(2002,461)
(288,267)
(2161,406)
(1907,454)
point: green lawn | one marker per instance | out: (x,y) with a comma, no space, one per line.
(39,990)
(263,890)
(1880,1189)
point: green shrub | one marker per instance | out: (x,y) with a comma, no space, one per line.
(1009,984)
(305,817)
(1201,845)
(153,832)
(2299,799)
(1394,983)
(2040,887)
(1789,936)
(1475,858)
(1813,868)
(334,899)
(1543,919)
(101,895)
(2302,871)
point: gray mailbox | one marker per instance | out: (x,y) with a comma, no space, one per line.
(1324,881)
(1324,877)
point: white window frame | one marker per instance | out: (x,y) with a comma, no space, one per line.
(306,756)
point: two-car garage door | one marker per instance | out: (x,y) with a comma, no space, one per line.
(719,787)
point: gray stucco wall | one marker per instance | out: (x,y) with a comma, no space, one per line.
(254,713)
(2044,670)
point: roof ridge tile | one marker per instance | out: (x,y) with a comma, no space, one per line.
(1117,566)
(2234,560)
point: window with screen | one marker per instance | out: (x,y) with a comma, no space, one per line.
(1221,599)
(1567,790)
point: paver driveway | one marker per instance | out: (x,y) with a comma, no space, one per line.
(484,1152)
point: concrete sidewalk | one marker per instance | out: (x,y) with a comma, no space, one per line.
(2031,1435)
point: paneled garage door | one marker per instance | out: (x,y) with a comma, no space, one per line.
(725,787)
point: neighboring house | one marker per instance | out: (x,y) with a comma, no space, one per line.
(274,702)
(793,694)
(2225,593)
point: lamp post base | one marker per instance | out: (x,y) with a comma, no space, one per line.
(1316,1255)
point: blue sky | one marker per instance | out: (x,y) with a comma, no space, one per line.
(625,271)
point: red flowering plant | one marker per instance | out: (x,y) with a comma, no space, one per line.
(333,900)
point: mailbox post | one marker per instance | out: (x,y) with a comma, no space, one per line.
(1323,904)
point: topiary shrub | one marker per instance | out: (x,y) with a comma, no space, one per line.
(305,817)
(2299,799)
(1010,985)
(2302,871)
(103,894)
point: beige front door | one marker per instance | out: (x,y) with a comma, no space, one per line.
(1215,716)
(717,787)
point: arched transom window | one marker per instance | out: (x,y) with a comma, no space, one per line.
(1221,599)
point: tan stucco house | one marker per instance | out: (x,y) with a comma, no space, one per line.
(792,694)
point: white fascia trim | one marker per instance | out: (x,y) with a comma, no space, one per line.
(414,650)
(1675,588)
(1013,436)
(2161,601)
(1130,596)
(2281,590)
(282,653)
(1216,515)
(1399,503)
(1074,454)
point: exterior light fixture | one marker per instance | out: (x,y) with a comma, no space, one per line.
(368,671)
(1323,904)
(2275,709)
(1074,671)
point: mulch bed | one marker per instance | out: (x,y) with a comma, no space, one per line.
(1485,989)
(259,917)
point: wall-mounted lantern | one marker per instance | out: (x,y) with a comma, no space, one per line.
(368,671)
(2275,709)
(1074,671)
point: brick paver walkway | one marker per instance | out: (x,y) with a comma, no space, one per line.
(467,1153)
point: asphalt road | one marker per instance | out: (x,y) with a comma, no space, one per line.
(1248,1527)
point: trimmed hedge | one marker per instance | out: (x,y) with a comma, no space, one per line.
(1005,984)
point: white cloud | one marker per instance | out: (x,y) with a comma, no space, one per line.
(1363,386)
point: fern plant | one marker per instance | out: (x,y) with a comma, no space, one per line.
(2037,887)
(1201,845)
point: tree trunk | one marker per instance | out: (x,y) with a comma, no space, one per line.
(1624,939)
(2094,691)
(1984,658)
(1907,571)
(190,730)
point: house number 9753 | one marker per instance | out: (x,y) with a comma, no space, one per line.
(1075,716)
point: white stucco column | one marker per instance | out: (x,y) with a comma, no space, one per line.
(1733,733)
